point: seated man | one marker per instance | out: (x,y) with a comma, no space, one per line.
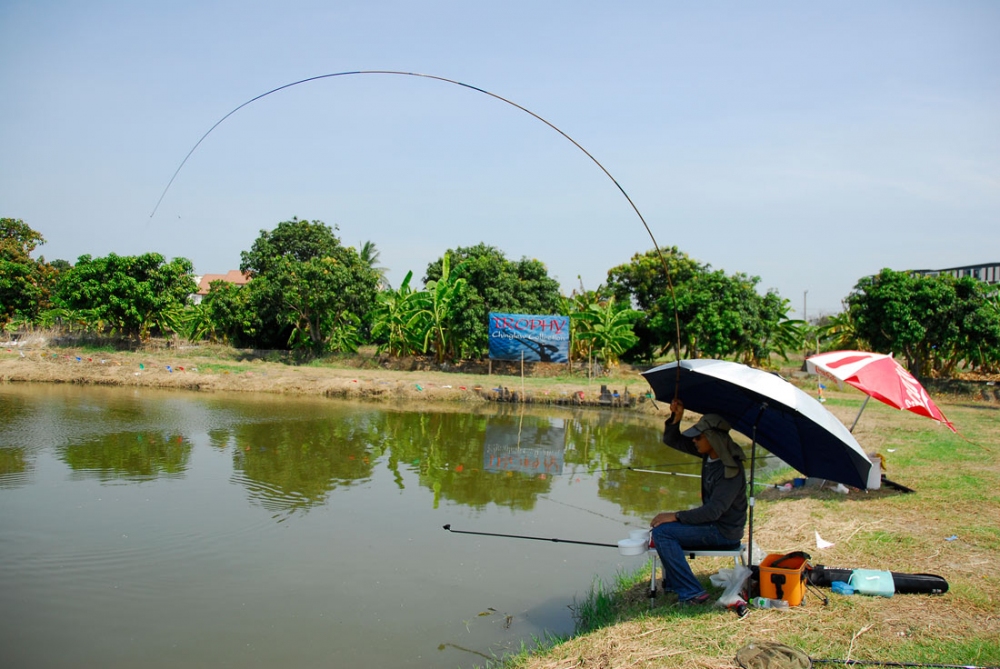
(718,523)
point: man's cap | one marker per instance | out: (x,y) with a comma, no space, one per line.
(710,421)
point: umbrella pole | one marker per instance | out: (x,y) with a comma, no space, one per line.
(753,473)
(863,405)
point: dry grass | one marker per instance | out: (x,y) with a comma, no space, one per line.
(220,369)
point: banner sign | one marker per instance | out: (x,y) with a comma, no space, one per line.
(537,338)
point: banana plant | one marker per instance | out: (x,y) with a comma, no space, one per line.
(436,314)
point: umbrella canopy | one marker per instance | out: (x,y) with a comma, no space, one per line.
(771,411)
(879,376)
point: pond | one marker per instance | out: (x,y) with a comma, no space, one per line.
(163,529)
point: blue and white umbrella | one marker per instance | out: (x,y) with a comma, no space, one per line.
(771,412)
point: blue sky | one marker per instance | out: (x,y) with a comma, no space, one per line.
(809,144)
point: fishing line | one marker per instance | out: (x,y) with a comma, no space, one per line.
(677,321)
(886,663)
(580,508)
(522,536)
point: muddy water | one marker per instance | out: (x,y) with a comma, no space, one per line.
(163,529)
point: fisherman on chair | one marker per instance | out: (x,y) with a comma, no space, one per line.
(719,522)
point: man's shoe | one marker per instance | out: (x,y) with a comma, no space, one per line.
(698,600)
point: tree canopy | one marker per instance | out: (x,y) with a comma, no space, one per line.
(25,283)
(307,289)
(720,315)
(128,295)
(935,322)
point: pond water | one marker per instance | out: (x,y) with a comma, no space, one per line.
(163,529)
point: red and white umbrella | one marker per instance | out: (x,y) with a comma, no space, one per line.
(879,376)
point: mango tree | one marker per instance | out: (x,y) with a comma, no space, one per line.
(307,290)
(25,283)
(127,295)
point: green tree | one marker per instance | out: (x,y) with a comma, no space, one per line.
(934,322)
(606,327)
(225,315)
(495,284)
(978,341)
(25,283)
(840,333)
(720,315)
(129,295)
(642,283)
(307,290)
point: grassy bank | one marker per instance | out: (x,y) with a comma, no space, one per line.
(950,526)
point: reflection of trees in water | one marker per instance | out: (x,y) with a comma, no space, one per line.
(648,494)
(290,466)
(128,455)
(293,465)
(14,466)
(609,444)
(606,442)
(452,462)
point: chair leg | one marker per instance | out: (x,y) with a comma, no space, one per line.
(652,578)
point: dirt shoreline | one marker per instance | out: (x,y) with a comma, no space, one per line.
(361,378)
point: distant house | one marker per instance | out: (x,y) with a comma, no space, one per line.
(988,272)
(205,282)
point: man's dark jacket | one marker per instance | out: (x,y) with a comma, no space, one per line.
(723,501)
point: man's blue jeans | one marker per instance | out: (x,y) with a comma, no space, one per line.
(671,539)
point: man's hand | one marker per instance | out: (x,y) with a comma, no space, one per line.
(665,517)
(676,410)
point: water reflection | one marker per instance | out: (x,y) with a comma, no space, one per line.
(289,458)
(131,456)
(535,448)
(292,466)
(14,466)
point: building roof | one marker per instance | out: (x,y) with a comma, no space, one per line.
(232,276)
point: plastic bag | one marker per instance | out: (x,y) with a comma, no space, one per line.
(732,580)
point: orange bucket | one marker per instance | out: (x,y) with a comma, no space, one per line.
(784,577)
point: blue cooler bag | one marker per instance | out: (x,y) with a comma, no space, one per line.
(872,582)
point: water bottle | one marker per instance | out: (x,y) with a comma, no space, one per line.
(766,603)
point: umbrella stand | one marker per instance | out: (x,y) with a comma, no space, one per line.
(863,405)
(753,472)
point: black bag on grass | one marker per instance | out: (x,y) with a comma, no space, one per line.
(905,584)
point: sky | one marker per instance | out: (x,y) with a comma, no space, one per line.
(807,144)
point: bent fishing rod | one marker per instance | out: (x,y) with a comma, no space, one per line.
(523,536)
(666,269)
